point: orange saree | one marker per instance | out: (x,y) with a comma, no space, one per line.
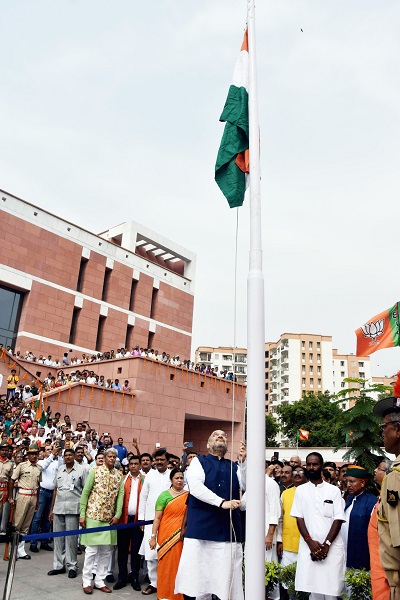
(170,547)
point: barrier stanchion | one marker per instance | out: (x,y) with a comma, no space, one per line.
(12,558)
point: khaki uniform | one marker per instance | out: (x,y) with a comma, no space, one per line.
(28,477)
(6,469)
(389,528)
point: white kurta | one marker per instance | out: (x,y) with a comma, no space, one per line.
(154,484)
(326,576)
(206,565)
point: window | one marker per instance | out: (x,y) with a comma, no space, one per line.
(319,383)
(342,363)
(318,345)
(318,358)
(310,345)
(303,345)
(10,311)
(266,386)
(319,370)
(132,296)
(342,384)
(341,373)
(153,308)
(100,330)
(361,364)
(266,364)
(311,370)
(266,354)
(106,283)
(311,382)
(362,375)
(310,357)
(227,357)
(81,275)
(216,356)
(150,339)
(303,381)
(129,337)
(303,356)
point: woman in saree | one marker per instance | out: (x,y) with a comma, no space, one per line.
(166,532)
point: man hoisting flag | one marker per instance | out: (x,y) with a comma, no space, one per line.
(382,331)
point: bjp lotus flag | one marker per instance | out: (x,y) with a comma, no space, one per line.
(380,332)
(303,434)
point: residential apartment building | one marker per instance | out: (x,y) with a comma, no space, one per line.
(299,362)
(64,288)
(224,358)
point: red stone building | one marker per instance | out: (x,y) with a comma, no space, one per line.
(64,288)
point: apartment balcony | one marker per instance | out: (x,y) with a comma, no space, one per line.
(285,373)
(285,385)
(284,364)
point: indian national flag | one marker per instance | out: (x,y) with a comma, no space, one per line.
(379,332)
(39,405)
(303,434)
(233,155)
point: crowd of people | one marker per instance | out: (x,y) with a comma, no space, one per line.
(325,518)
(83,373)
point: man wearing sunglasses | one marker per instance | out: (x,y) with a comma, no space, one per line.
(389,511)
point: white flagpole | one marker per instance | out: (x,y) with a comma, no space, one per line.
(255,479)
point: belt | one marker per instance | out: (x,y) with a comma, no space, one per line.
(45,489)
(26,492)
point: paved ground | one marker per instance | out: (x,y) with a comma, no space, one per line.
(31,581)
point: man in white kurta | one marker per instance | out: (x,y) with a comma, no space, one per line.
(318,507)
(156,481)
(272,516)
(210,563)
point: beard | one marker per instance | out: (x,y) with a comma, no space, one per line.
(219,448)
(313,475)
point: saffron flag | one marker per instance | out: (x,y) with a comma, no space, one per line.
(380,332)
(233,155)
(303,434)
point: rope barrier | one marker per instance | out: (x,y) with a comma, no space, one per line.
(54,534)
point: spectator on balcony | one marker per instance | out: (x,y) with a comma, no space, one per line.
(65,360)
(27,394)
(101,382)
(126,387)
(135,351)
(12,381)
(116,385)
(91,379)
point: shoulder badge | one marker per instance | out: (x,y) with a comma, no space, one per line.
(392,497)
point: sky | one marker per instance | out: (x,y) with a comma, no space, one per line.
(109,111)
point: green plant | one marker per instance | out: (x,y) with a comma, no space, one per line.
(287,577)
(272,575)
(358,582)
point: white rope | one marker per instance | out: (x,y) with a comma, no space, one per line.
(232,530)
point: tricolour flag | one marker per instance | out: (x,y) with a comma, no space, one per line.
(303,434)
(233,155)
(40,415)
(380,332)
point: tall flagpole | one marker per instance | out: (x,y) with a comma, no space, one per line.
(255,479)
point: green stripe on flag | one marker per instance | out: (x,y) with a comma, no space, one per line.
(231,179)
(394,323)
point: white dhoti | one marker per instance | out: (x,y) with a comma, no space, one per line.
(210,568)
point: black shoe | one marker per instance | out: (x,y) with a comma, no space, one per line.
(26,557)
(119,585)
(46,547)
(71,574)
(57,571)
(136,585)
(33,548)
(79,551)
(110,578)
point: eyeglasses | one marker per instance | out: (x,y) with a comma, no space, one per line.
(379,469)
(383,426)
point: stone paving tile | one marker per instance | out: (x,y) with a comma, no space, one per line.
(31,581)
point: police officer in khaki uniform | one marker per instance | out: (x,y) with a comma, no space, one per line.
(28,476)
(389,509)
(6,486)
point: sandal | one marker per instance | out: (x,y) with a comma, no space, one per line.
(149,590)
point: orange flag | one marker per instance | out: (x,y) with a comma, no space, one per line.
(379,332)
(303,434)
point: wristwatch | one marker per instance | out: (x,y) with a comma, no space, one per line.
(327,542)
(153,535)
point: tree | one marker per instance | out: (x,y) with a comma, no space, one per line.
(271,429)
(359,423)
(317,413)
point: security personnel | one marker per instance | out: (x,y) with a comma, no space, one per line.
(6,485)
(389,509)
(28,476)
